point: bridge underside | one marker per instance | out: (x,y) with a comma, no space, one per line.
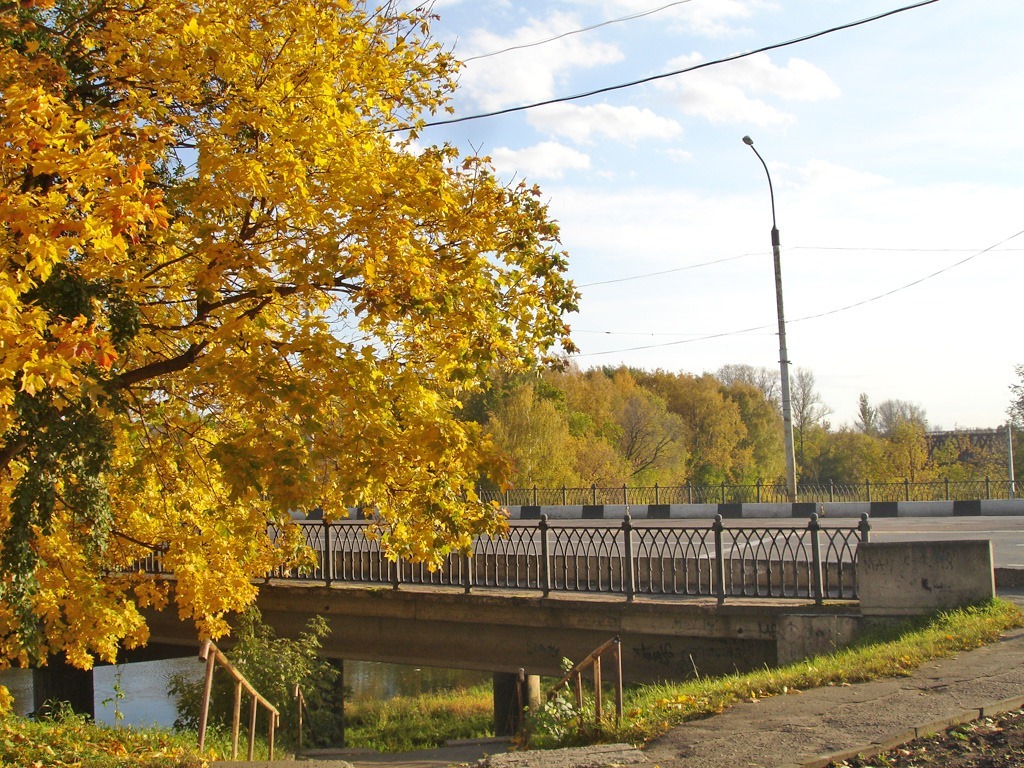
(667,639)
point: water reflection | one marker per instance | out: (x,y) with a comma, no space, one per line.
(375,681)
(139,691)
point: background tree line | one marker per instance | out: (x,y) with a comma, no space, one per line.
(613,426)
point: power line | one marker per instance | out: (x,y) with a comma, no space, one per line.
(666,271)
(591,28)
(893,250)
(910,284)
(724,334)
(641,333)
(664,75)
(643,275)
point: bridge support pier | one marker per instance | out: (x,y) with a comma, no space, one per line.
(513,695)
(58,682)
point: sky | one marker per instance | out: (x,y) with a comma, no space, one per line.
(895,151)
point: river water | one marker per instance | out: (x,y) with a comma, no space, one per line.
(139,691)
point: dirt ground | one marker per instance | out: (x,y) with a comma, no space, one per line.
(987,743)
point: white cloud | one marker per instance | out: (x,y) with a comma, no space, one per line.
(547,160)
(711,19)
(732,93)
(527,75)
(824,177)
(584,124)
(680,155)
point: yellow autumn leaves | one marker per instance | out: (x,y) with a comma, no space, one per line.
(228,277)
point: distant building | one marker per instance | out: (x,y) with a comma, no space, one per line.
(972,444)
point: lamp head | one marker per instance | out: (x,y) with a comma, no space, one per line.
(748,141)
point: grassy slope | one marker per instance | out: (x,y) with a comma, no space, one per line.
(419,722)
(894,652)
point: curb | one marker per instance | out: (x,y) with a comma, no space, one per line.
(900,738)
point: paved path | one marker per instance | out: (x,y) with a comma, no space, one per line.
(798,728)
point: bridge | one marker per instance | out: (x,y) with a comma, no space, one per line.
(709,596)
(686,597)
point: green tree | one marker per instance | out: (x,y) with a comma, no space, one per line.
(846,457)
(889,414)
(808,409)
(906,453)
(866,415)
(713,423)
(762,444)
(274,666)
(534,434)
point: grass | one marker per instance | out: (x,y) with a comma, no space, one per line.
(422,722)
(68,741)
(408,723)
(884,652)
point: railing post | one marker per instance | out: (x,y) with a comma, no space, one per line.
(467,573)
(689,493)
(270,734)
(625,495)
(207,654)
(535,495)
(656,500)
(906,488)
(814,527)
(396,573)
(988,487)
(723,491)
(563,495)
(864,527)
(545,556)
(831,490)
(298,711)
(617,670)
(593,494)
(236,719)
(867,485)
(947,488)
(252,728)
(328,555)
(629,574)
(759,490)
(506,497)
(717,527)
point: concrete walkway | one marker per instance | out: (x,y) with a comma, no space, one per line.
(800,729)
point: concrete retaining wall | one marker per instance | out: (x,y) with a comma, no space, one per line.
(920,577)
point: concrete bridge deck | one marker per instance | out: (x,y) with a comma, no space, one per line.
(504,631)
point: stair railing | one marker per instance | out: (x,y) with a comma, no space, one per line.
(593,661)
(212,655)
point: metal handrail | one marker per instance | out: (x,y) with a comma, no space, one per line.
(695,560)
(593,661)
(759,492)
(217,657)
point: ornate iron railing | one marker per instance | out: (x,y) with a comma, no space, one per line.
(628,558)
(759,492)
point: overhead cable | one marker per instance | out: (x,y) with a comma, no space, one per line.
(674,73)
(809,317)
(788,249)
(591,28)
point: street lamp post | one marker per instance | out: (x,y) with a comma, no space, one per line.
(787,405)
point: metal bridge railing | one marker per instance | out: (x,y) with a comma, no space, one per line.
(759,492)
(628,559)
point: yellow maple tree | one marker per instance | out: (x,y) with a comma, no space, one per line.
(236,283)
